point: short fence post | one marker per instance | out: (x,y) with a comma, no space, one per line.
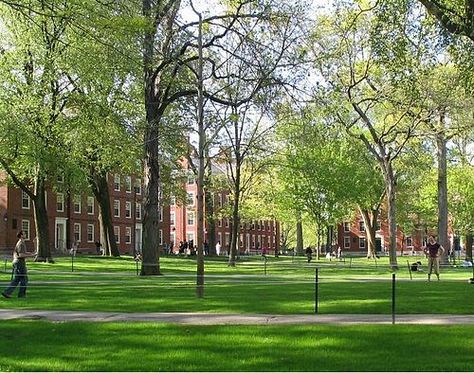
(136,265)
(393,298)
(316,295)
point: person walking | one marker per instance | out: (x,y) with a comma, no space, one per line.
(434,250)
(20,276)
(218,248)
(309,254)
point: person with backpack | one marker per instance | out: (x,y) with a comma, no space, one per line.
(20,276)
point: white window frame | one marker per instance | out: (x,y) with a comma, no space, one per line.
(192,220)
(117,183)
(92,232)
(409,241)
(190,199)
(172,218)
(128,209)
(361,226)
(362,243)
(128,235)
(60,200)
(347,242)
(160,212)
(25,227)
(347,226)
(78,232)
(89,204)
(75,204)
(138,186)
(128,184)
(25,197)
(138,211)
(117,233)
(116,208)
(160,236)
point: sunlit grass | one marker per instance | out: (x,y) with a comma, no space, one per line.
(357,286)
(43,346)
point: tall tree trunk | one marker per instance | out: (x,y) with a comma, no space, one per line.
(469,239)
(370,221)
(442,192)
(201,170)
(151,182)
(391,207)
(41,221)
(100,188)
(299,234)
(235,219)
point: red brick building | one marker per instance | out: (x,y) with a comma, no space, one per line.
(73,220)
(352,237)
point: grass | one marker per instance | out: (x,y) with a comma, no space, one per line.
(100,284)
(43,346)
(359,286)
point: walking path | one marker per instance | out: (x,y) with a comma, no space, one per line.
(233,319)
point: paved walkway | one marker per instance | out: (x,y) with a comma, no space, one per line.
(233,319)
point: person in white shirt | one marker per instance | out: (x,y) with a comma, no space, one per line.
(218,248)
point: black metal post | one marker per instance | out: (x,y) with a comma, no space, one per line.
(136,264)
(316,295)
(409,270)
(393,298)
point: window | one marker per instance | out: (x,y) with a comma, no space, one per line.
(160,212)
(253,240)
(116,208)
(347,226)
(138,210)
(190,219)
(128,184)
(173,238)
(77,204)
(219,237)
(377,225)
(60,179)
(190,199)
(227,222)
(160,237)
(117,234)
(77,232)
(128,209)
(190,236)
(25,227)
(219,223)
(227,239)
(172,218)
(409,242)
(60,202)
(90,205)
(347,242)
(361,226)
(138,186)
(25,201)
(219,203)
(361,242)
(128,235)
(90,232)
(117,183)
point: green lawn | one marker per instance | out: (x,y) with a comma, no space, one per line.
(44,346)
(357,286)
(361,286)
